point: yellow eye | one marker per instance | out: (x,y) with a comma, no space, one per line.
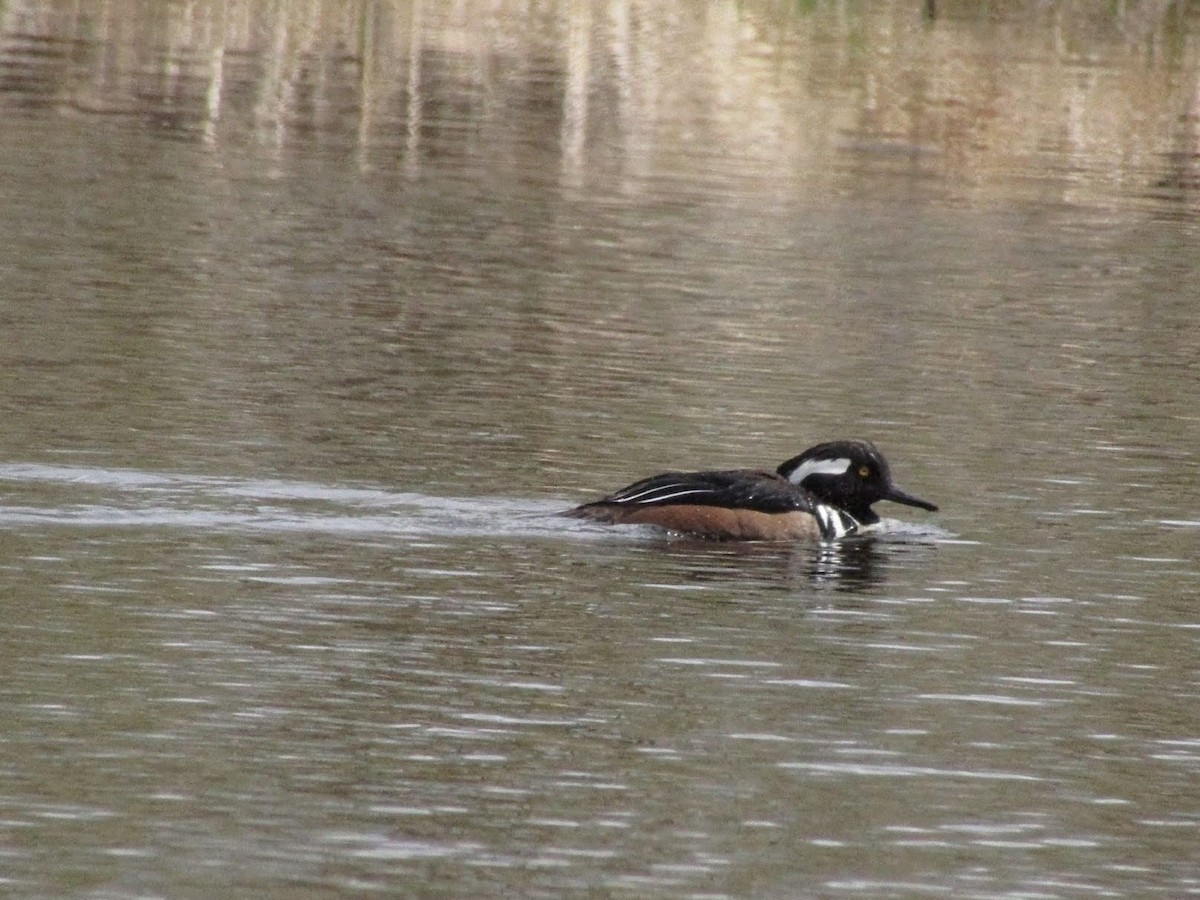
(864,471)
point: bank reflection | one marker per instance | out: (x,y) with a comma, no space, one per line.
(811,95)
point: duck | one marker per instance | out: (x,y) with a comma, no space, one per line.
(823,494)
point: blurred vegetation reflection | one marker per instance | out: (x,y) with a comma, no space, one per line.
(966,90)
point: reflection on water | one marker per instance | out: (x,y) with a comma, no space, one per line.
(591,89)
(315,315)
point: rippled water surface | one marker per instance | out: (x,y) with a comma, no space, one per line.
(315,316)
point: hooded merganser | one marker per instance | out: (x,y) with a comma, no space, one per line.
(824,493)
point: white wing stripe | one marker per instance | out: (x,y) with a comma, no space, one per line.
(623,497)
(655,495)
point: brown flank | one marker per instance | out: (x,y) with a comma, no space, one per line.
(708,521)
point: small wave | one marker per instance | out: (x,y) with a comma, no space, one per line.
(85,497)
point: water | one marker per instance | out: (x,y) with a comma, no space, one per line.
(315,317)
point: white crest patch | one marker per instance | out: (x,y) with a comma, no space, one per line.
(837,466)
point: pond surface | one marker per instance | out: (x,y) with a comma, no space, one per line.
(315,316)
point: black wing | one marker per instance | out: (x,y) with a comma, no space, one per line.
(734,489)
